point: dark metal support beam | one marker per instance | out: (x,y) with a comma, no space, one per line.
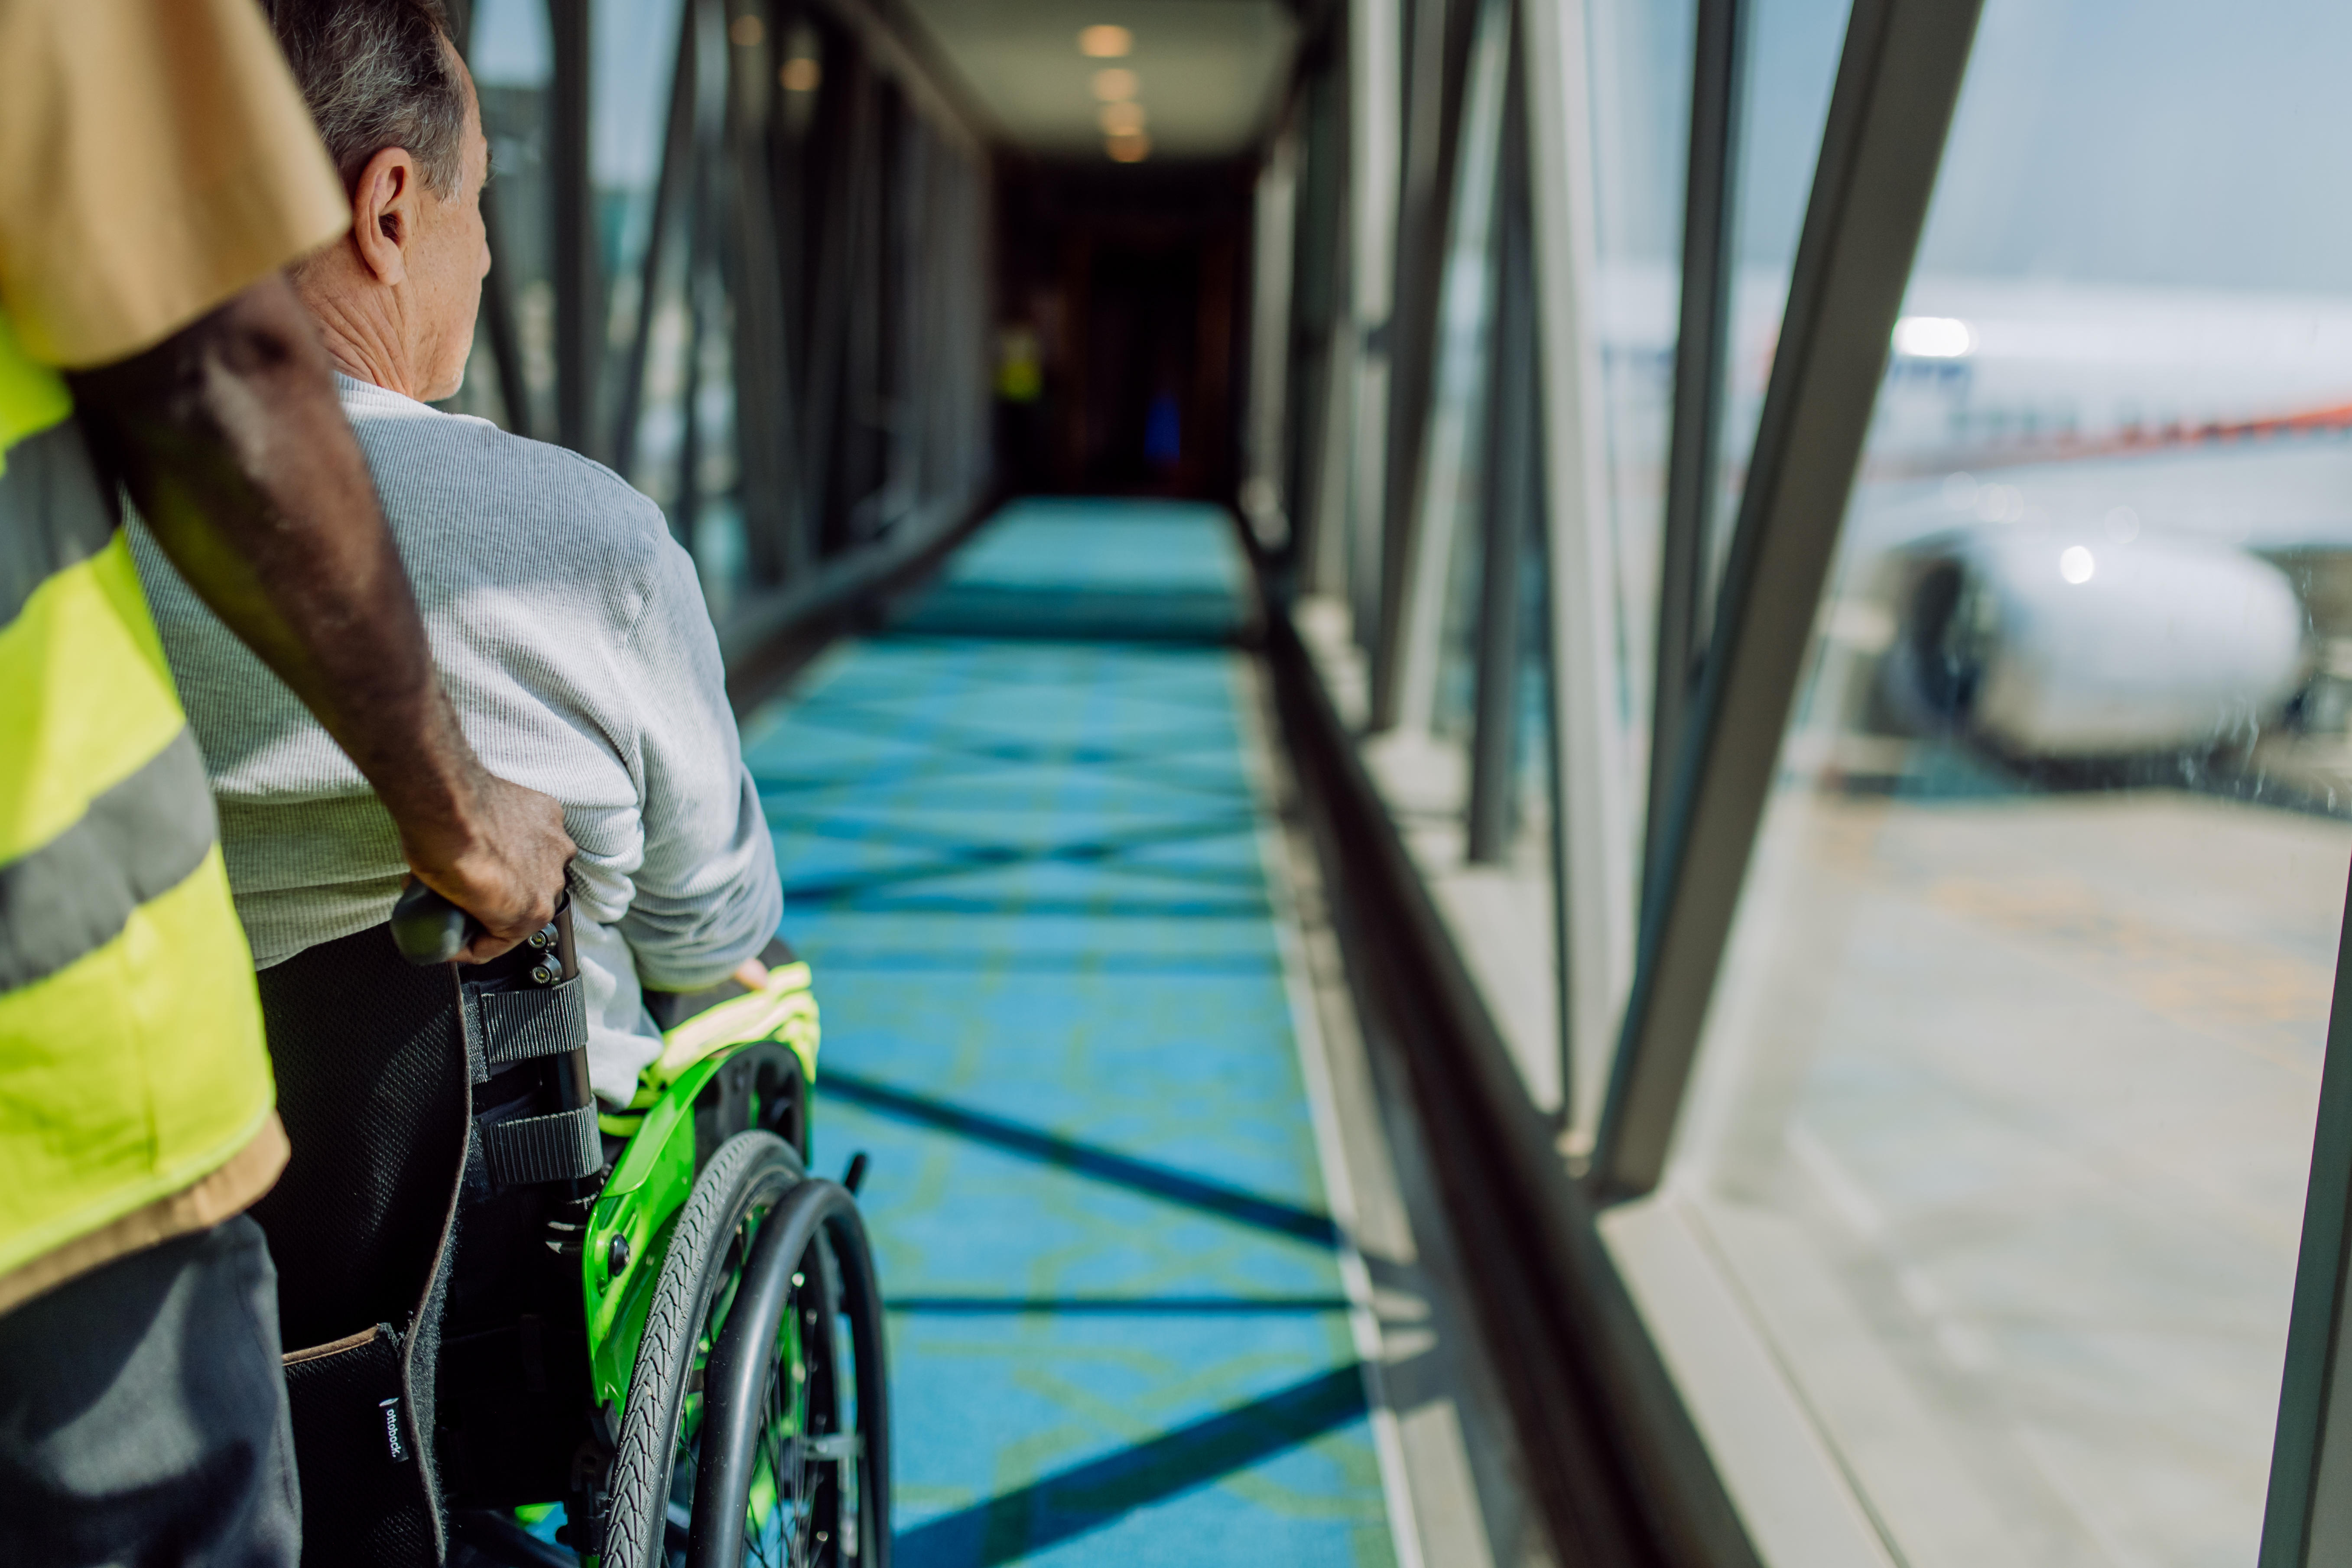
(862,433)
(1896,85)
(1511,488)
(788,196)
(578,322)
(506,341)
(1316,260)
(669,192)
(1702,353)
(765,425)
(847,117)
(498,305)
(2307,1521)
(701,248)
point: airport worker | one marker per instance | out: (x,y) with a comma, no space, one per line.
(157,169)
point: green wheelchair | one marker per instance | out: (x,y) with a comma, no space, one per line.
(513,1302)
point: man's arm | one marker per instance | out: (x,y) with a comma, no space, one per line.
(230,438)
(707,896)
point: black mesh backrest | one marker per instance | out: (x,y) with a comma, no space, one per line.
(371,1084)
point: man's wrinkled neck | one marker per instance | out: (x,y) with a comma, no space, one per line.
(364,331)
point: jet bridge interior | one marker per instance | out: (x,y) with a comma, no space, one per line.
(1572,779)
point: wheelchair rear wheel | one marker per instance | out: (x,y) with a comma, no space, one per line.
(756,1430)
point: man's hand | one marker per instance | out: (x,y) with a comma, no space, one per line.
(231,439)
(504,867)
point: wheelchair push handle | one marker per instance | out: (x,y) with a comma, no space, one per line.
(427,928)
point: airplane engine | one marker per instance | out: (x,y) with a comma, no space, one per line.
(2060,646)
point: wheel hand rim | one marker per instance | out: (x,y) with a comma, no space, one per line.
(780,1526)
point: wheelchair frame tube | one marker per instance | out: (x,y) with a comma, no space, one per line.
(572,1086)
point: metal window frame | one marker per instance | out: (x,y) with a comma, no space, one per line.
(765,423)
(497,303)
(1318,295)
(1615,1468)
(2307,1514)
(1592,854)
(506,338)
(1275,225)
(851,103)
(579,323)
(1897,84)
(1375,163)
(1511,482)
(1451,439)
(1436,81)
(724,182)
(678,154)
(1702,358)
(1715,748)
(1716,741)
(686,493)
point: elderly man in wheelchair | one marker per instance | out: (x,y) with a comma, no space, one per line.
(510,1301)
(683,1348)
(547,1240)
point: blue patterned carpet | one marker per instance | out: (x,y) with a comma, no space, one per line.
(1023,855)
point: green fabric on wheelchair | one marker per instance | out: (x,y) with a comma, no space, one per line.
(628,1230)
(784,1010)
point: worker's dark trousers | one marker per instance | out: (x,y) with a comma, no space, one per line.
(143,1414)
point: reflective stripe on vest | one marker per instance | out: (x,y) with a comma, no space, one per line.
(132,1062)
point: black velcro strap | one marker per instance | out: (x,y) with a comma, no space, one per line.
(543,1148)
(533,1021)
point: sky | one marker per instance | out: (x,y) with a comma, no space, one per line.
(2154,142)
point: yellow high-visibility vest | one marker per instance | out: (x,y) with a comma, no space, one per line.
(131,1060)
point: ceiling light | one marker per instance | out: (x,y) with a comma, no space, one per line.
(746,32)
(1123,119)
(1116,85)
(1105,42)
(1132,149)
(801,74)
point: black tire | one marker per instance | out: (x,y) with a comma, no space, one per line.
(650,1498)
(795,1458)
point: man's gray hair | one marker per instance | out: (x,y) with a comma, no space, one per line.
(375,76)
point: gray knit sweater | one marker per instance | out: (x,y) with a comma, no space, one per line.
(573,638)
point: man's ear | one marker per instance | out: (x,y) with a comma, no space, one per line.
(384,214)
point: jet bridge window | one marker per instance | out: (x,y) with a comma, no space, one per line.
(2004,1112)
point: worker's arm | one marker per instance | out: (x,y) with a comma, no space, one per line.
(229,436)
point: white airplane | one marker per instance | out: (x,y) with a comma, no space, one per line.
(2100,517)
